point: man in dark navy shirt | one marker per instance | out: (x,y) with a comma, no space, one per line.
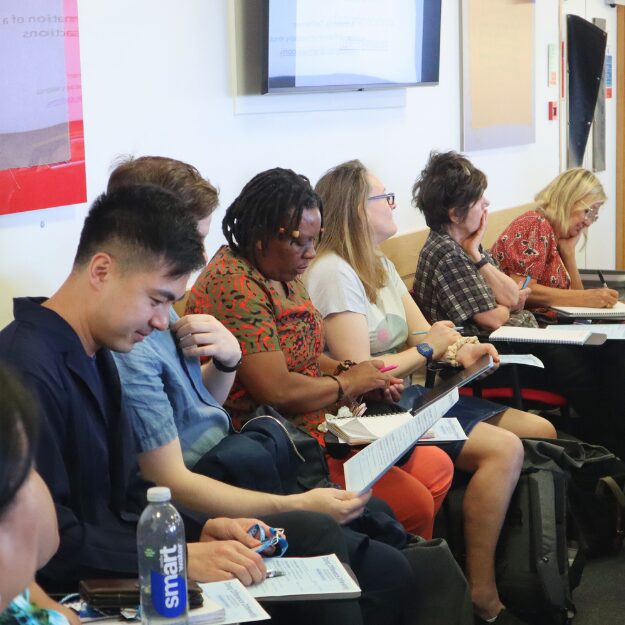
(136,251)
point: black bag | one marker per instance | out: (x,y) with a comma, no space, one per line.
(532,561)
(596,498)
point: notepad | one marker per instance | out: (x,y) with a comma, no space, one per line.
(540,335)
(584,312)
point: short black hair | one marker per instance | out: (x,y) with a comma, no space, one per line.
(449,180)
(273,199)
(142,226)
(18,438)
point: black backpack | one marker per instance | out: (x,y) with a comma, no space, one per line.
(534,578)
(596,497)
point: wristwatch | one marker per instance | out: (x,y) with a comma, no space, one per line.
(425,349)
(480,263)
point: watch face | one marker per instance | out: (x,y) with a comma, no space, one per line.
(425,350)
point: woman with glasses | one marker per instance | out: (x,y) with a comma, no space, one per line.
(368,312)
(541,243)
(456,279)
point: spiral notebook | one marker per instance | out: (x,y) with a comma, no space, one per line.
(546,335)
(582,312)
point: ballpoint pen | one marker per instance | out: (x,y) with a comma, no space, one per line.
(526,282)
(417,332)
(273,573)
(388,368)
(603,282)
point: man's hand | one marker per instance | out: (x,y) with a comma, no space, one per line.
(223,528)
(343,506)
(220,560)
(204,336)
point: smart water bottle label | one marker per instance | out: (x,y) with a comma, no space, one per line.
(169,587)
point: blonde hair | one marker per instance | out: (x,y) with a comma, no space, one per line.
(560,198)
(346,232)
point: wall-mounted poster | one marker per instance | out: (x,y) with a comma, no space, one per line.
(42,160)
(498,73)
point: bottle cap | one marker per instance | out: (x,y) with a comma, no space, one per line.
(158,494)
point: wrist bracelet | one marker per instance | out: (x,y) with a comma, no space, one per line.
(343,366)
(451,355)
(480,263)
(341,396)
(225,368)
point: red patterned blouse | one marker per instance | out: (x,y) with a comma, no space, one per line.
(529,247)
(263,320)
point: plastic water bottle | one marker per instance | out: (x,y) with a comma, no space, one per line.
(162,561)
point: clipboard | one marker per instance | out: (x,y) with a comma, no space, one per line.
(366,467)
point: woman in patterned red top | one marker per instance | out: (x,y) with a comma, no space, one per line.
(252,286)
(541,243)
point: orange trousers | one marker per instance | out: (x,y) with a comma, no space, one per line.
(415,490)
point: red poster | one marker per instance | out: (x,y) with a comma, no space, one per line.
(41,130)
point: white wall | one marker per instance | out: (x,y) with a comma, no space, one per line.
(156,80)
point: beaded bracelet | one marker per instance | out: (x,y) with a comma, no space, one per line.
(451,355)
(343,366)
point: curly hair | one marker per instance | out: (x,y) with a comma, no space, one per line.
(449,180)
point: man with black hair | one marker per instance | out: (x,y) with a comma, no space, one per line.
(136,252)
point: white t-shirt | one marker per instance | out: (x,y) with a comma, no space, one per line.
(334,287)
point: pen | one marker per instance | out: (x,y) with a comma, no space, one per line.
(456,328)
(526,282)
(603,282)
(273,573)
(388,368)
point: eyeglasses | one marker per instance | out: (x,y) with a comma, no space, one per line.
(390,198)
(591,213)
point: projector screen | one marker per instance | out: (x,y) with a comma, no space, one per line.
(321,45)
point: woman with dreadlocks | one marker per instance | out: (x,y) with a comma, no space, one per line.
(252,286)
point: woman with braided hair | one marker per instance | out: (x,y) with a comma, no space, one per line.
(252,286)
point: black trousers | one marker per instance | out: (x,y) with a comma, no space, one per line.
(383,573)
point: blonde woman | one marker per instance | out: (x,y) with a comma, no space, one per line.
(368,312)
(541,243)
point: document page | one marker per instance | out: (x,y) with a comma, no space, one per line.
(372,462)
(444,430)
(306,577)
(614,331)
(239,605)
(521,359)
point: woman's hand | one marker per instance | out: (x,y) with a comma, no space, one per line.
(599,298)
(471,245)
(566,246)
(364,377)
(440,337)
(523,295)
(469,353)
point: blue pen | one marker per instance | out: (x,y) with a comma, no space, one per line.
(526,282)
(456,328)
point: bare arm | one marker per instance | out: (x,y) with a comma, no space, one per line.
(347,336)
(266,376)
(492,319)
(547,296)
(165,466)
